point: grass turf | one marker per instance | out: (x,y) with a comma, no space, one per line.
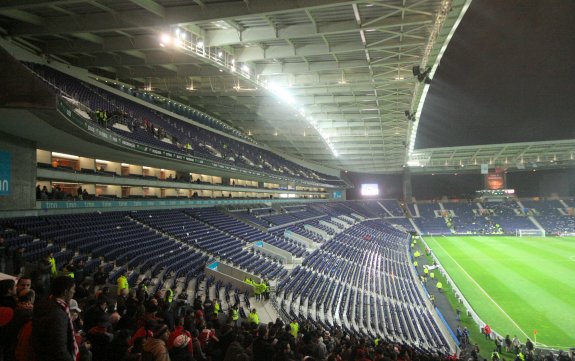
(516,284)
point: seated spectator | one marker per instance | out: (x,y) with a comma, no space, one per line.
(180,349)
(156,345)
(100,338)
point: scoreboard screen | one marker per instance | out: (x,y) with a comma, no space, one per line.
(369,189)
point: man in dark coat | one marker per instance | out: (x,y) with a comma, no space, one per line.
(18,261)
(262,346)
(52,331)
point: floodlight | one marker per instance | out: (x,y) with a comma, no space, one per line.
(425,75)
(166,39)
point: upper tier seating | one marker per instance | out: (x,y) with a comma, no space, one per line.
(158,129)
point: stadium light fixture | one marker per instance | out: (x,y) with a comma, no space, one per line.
(64,155)
(165,39)
(410,116)
(422,76)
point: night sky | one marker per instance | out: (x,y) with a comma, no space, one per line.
(508,75)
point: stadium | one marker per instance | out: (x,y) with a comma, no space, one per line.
(287,180)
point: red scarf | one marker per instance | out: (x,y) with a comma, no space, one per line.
(64,306)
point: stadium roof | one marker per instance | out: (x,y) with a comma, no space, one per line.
(515,156)
(324,80)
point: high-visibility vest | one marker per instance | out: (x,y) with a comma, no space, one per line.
(432,275)
(235,314)
(294,329)
(254,318)
(122,284)
(260,288)
(216,308)
(439,285)
(425,270)
(53,269)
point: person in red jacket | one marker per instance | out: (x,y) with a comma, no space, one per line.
(179,330)
(487,331)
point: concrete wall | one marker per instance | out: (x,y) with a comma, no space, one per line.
(87,163)
(22,192)
(43,156)
(235,276)
(135,169)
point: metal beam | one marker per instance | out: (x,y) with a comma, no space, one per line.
(154,72)
(269,33)
(64,11)
(314,67)
(137,19)
(151,6)
(22,16)
(31,4)
(89,37)
(152,58)
(253,54)
(117,43)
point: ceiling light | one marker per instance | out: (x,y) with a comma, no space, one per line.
(165,40)
(64,155)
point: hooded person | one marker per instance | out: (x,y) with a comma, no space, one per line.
(180,348)
(155,346)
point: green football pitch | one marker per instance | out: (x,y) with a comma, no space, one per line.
(516,285)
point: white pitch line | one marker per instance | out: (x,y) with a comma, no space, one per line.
(481,289)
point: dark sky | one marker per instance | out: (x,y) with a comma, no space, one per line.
(508,75)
